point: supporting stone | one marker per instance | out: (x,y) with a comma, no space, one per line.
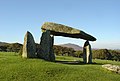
(87,53)
(46,45)
(29,47)
(52,56)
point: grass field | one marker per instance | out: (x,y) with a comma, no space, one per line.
(15,68)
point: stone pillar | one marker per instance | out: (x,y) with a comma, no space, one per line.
(46,47)
(87,53)
(52,56)
(29,47)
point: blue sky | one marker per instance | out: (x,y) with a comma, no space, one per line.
(100,18)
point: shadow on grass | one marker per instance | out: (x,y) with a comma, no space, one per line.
(76,63)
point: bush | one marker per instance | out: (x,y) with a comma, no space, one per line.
(20,51)
(106,54)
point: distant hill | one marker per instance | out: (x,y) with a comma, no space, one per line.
(74,46)
(10,47)
(3,43)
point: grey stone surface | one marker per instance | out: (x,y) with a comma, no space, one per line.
(29,47)
(87,53)
(46,44)
(114,68)
(66,31)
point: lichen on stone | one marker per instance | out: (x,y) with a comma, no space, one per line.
(66,31)
(29,47)
(59,28)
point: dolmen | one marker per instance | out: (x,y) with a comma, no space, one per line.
(49,30)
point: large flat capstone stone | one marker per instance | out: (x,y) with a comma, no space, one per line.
(66,31)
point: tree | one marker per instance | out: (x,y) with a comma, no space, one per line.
(3,48)
(79,54)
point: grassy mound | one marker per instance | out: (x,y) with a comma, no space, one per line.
(15,68)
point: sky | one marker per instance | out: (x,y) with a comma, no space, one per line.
(99,18)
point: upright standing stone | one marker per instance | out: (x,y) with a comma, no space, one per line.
(52,56)
(29,47)
(46,47)
(87,53)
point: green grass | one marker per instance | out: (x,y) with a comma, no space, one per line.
(15,68)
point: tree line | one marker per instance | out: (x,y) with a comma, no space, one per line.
(103,54)
(65,51)
(106,54)
(13,47)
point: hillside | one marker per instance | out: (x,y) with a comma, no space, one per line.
(10,47)
(74,46)
(15,68)
(3,43)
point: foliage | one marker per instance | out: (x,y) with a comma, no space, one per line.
(78,54)
(15,68)
(13,47)
(63,51)
(20,51)
(106,54)
(3,48)
(102,54)
(115,55)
